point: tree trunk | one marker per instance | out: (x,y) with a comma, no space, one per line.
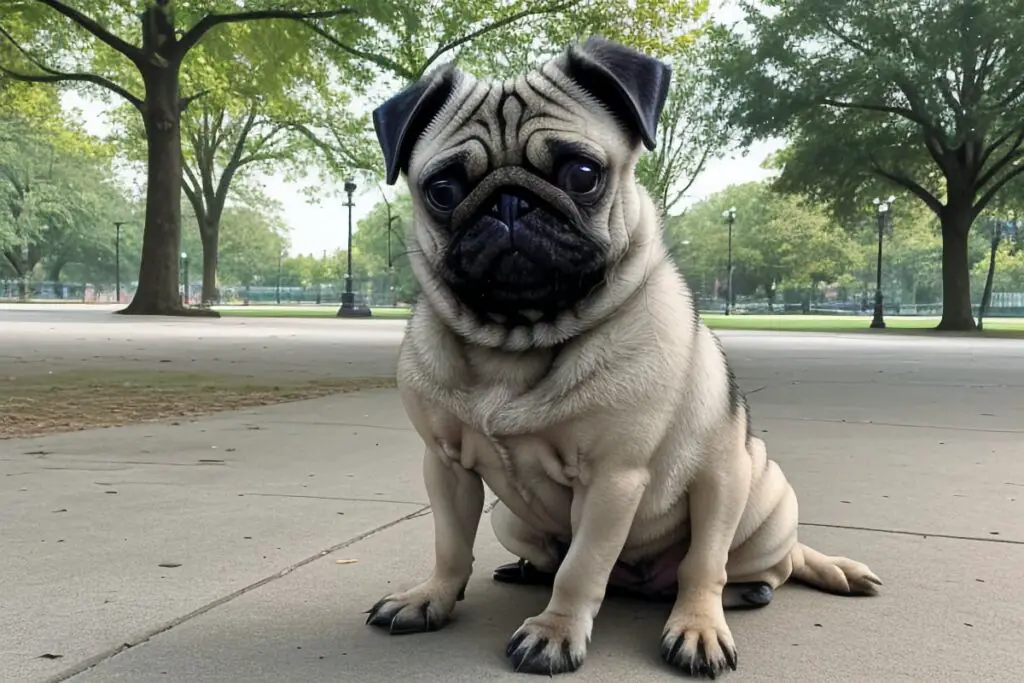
(209,229)
(159,276)
(957,313)
(986,296)
(53,275)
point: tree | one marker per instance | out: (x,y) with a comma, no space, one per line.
(693,131)
(268,105)
(381,248)
(926,97)
(778,240)
(253,238)
(55,186)
(92,39)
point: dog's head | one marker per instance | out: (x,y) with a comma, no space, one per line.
(524,192)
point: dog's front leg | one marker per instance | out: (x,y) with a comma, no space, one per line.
(456,498)
(556,640)
(697,638)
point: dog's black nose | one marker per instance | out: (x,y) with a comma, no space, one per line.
(509,208)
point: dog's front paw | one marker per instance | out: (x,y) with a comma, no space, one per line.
(699,642)
(426,607)
(549,644)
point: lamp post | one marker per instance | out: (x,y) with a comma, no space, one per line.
(117,259)
(391,264)
(730,218)
(349,309)
(280,259)
(184,277)
(883,211)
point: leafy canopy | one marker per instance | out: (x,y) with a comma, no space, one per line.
(925,95)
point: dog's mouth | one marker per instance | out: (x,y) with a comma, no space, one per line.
(518,257)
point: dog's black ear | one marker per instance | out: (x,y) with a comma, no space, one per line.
(401,120)
(633,85)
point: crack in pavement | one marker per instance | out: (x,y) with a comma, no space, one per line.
(129,643)
(875,423)
(922,534)
(341,498)
(321,423)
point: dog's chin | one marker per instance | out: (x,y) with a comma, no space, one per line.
(531,274)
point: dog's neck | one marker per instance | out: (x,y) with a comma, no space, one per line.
(624,284)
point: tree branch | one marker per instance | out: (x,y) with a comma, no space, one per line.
(987,198)
(492,26)
(191,189)
(1010,97)
(232,165)
(693,178)
(908,114)
(186,101)
(1012,155)
(845,39)
(127,49)
(256,147)
(330,150)
(379,60)
(903,181)
(13,261)
(191,183)
(51,75)
(210,21)
(83,78)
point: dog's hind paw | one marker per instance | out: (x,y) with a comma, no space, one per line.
(426,607)
(548,644)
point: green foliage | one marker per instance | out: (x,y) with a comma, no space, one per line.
(693,130)
(778,241)
(252,238)
(1009,273)
(371,246)
(55,190)
(500,39)
(904,92)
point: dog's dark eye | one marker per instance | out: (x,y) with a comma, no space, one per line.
(579,176)
(444,194)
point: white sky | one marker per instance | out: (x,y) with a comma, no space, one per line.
(319,227)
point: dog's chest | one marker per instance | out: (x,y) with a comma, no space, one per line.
(530,470)
(499,377)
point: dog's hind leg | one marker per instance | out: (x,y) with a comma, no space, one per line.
(839,575)
(539,553)
(771,555)
(763,562)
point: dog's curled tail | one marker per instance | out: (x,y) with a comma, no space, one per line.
(839,575)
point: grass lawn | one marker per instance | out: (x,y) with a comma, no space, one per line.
(308,311)
(71,401)
(997,327)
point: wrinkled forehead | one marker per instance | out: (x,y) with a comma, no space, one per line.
(527,121)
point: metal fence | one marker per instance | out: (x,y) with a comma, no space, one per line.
(375,291)
(378,293)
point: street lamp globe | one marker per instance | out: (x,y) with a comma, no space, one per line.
(729,213)
(184,255)
(350,186)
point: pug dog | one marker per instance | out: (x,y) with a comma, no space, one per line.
(556,354)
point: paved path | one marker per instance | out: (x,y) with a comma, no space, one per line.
(44,338)
(907,453)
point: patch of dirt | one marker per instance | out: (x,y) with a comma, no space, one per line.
(72,401)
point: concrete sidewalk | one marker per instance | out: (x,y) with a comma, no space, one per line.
(206,551)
